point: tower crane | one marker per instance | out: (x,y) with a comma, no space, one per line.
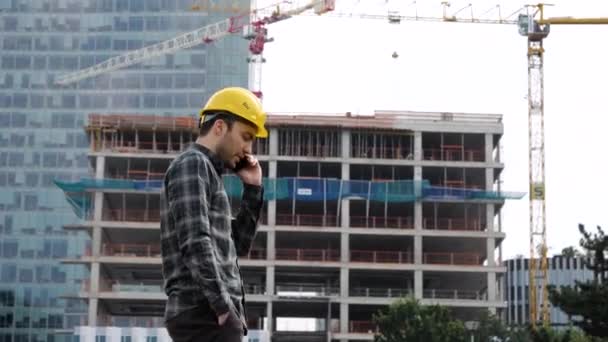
(255,31)
(533,25)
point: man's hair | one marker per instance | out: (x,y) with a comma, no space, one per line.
(205,127)
(227,117)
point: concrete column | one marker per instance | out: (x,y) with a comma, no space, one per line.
(489,179)
(98,196)
(96,242)
(418,204)
(345,204)
(94,281)
(344,247)
(95,278)
(346,144)
(418,276)
(418,145)
(270,281)
(269,318)
(418,260)
(270,245)
(344,318)
(100,167)
(489,147)
(344,282)
(490,217)
(92,319)
(490,248)
(272,204)
(97,206)
(273,142)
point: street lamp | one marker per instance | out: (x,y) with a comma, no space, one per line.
(471,326)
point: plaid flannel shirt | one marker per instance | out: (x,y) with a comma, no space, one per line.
(200,240)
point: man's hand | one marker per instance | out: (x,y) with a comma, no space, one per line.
(221,319)
(252,174)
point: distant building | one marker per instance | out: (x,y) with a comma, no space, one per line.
(42,137)
(135,334)
(562,272)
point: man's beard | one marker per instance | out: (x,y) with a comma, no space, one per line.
(223,152)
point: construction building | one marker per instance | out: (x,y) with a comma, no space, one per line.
(360,210)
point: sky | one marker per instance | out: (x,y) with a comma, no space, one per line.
(334,65)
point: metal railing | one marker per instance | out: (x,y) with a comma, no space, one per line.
(382,222)
(362,327)
(381,152)
(453,154)
(131,215)
(306,290)
(465,259)
(256,254)
(452,224)
(454,294)
(130,250)
(257,289)
(307,220)
(125,321)
(301,254)
(379,292)
(396,257)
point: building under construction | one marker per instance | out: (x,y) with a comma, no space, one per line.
(360,210)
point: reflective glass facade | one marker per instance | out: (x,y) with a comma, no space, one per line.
(42,137)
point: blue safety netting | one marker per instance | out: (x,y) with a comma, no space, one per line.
(298,189)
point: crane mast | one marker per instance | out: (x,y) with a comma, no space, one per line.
(537,268)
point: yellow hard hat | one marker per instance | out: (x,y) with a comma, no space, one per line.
(240,102)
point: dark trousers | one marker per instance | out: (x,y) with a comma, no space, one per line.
(200,325)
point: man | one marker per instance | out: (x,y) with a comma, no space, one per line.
(200,241)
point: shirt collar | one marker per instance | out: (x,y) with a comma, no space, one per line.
(218,164)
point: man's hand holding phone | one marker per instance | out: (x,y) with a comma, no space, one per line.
(249,170)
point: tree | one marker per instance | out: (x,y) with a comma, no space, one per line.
(406,320)
(571,252)
(490,327)
(587,302)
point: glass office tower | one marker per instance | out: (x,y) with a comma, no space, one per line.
(42,139)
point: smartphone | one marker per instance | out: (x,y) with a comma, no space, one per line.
(243,163)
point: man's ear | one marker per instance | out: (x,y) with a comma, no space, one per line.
(219,127)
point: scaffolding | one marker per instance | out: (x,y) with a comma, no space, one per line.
(311,136)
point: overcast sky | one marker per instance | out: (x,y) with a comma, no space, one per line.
(336,65)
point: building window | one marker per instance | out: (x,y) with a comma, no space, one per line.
(100,338)
(125,339)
